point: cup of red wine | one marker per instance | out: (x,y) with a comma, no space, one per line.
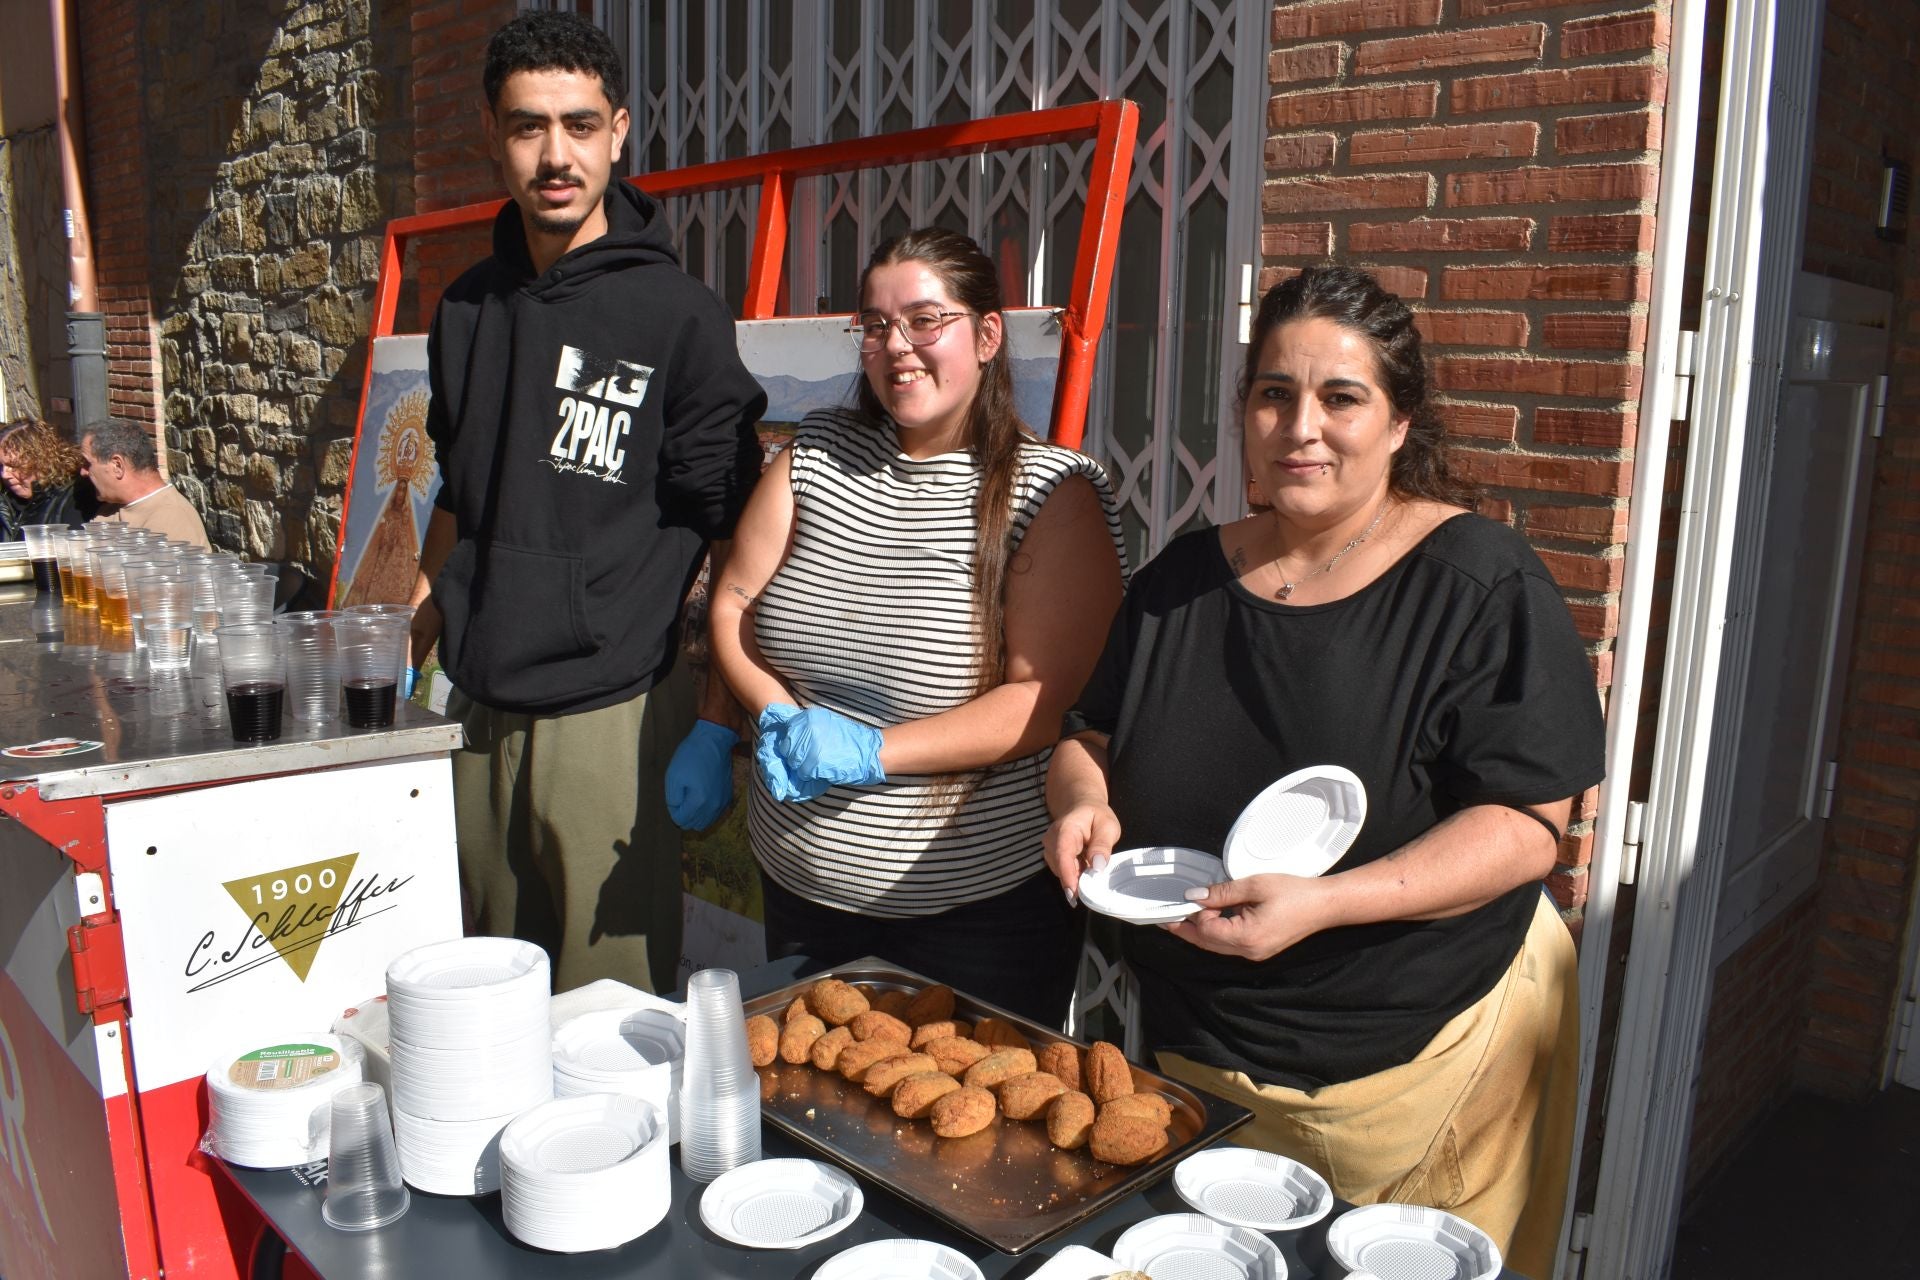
(370,648)
(253,675)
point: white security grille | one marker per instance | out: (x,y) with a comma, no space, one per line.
(714,79)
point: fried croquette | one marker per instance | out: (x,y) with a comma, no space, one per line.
(888,1072)
(964,1111)
(914,1096)
(1125,1139)
(1026,1095)
(1003,1064)
(925,1033)
(932,1004)
(996,1033)
(875,1025)
(893,1002)
(855,1058)
(1061,1059)
(826,1050)
(798,1009)
(763,1039)
(955,1053)
(1107,1074)
(834,1002)
(1070,1120)
(1148,1106)
(797,1037)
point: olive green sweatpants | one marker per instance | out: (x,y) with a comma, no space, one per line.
(564,835)
(1479,1124)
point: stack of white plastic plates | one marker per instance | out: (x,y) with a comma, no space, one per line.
(271,1107)
(584,1173)
(1301,825)
(471,1049)
(780,1204)
(899,1260)
(1186,1246)
(1149,886)
(1411,1242)
(1255,1189)
(638,1052)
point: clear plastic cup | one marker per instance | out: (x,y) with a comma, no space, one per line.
(253,676)
(364,1189)
(402,612)
(244,598)
(164,605)
(44,555)
(719,1090)
(313,665)
(370,666)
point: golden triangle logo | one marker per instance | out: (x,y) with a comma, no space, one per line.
(293,908)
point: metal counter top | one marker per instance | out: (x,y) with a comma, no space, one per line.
(157,731)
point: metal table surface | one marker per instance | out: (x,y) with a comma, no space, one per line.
(156,731)
(449,1236)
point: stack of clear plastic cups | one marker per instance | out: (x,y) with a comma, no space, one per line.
(165,607)
(364,1189)
(719,1089)
(313,665)
(370,667)
(404,614)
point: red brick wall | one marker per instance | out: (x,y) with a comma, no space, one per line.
(1868,69)
(451,165)
(1497,162)
(113,99)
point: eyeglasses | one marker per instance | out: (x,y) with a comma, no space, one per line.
(919,328)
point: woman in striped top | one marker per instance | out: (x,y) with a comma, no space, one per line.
(917,591)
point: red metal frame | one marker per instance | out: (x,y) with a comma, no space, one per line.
(1111,124)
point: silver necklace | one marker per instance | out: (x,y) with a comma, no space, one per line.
(1286,588)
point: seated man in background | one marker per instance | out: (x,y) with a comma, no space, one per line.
(119,457)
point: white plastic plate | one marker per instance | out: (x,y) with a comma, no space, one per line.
(780,1204)
(1076,1262)
(1187,1246)
(580,1135)
(454,968)
(617,1041)
(1255,1189)
(899,1260)
(1411,1242)
(1300,826)
(1149,886)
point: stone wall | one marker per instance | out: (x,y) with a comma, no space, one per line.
(33,272)
(276,149)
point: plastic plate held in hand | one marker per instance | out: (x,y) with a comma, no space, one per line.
(1412,1242)
(1299,826)
(1149,886)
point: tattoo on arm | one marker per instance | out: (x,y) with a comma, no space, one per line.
(1238,560)
(736,589)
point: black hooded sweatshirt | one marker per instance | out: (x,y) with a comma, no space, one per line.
(595,428)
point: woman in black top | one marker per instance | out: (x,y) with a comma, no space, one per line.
(41,469)
(1406,1023)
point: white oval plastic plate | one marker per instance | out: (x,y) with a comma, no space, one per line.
(580,1135)
(1076,1262)
(1412,1242)
(1299,826)
(613,1042)
(1254,1189)
(1188,1246)
(780,1204)
(899,1260)
(1149,886)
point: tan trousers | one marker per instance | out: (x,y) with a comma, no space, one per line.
(1479,1124)
(564,835)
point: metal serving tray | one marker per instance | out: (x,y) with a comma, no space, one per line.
(1006,1186)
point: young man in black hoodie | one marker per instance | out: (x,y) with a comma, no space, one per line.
(594,427)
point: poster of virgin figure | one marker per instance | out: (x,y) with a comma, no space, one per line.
(390,493)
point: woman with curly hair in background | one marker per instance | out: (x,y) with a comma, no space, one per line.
(41,469)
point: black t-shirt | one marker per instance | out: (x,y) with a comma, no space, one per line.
(1453,679)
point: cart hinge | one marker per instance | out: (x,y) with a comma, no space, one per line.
(99,965)
(1246,303)
(1630,842)
(1582,1231)
(1829,778)
(1683,377)
(1879,406)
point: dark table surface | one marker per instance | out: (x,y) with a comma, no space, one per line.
(465,1238)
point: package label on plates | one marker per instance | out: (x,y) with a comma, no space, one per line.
(283,1066)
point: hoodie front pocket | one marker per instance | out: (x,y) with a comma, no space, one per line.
(531,610)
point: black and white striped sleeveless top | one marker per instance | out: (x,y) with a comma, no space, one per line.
(872,616)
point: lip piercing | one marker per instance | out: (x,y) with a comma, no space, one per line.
(1324,468)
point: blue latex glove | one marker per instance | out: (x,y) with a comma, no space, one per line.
(767,754)
(700,776)
(823,748)
(409,678)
